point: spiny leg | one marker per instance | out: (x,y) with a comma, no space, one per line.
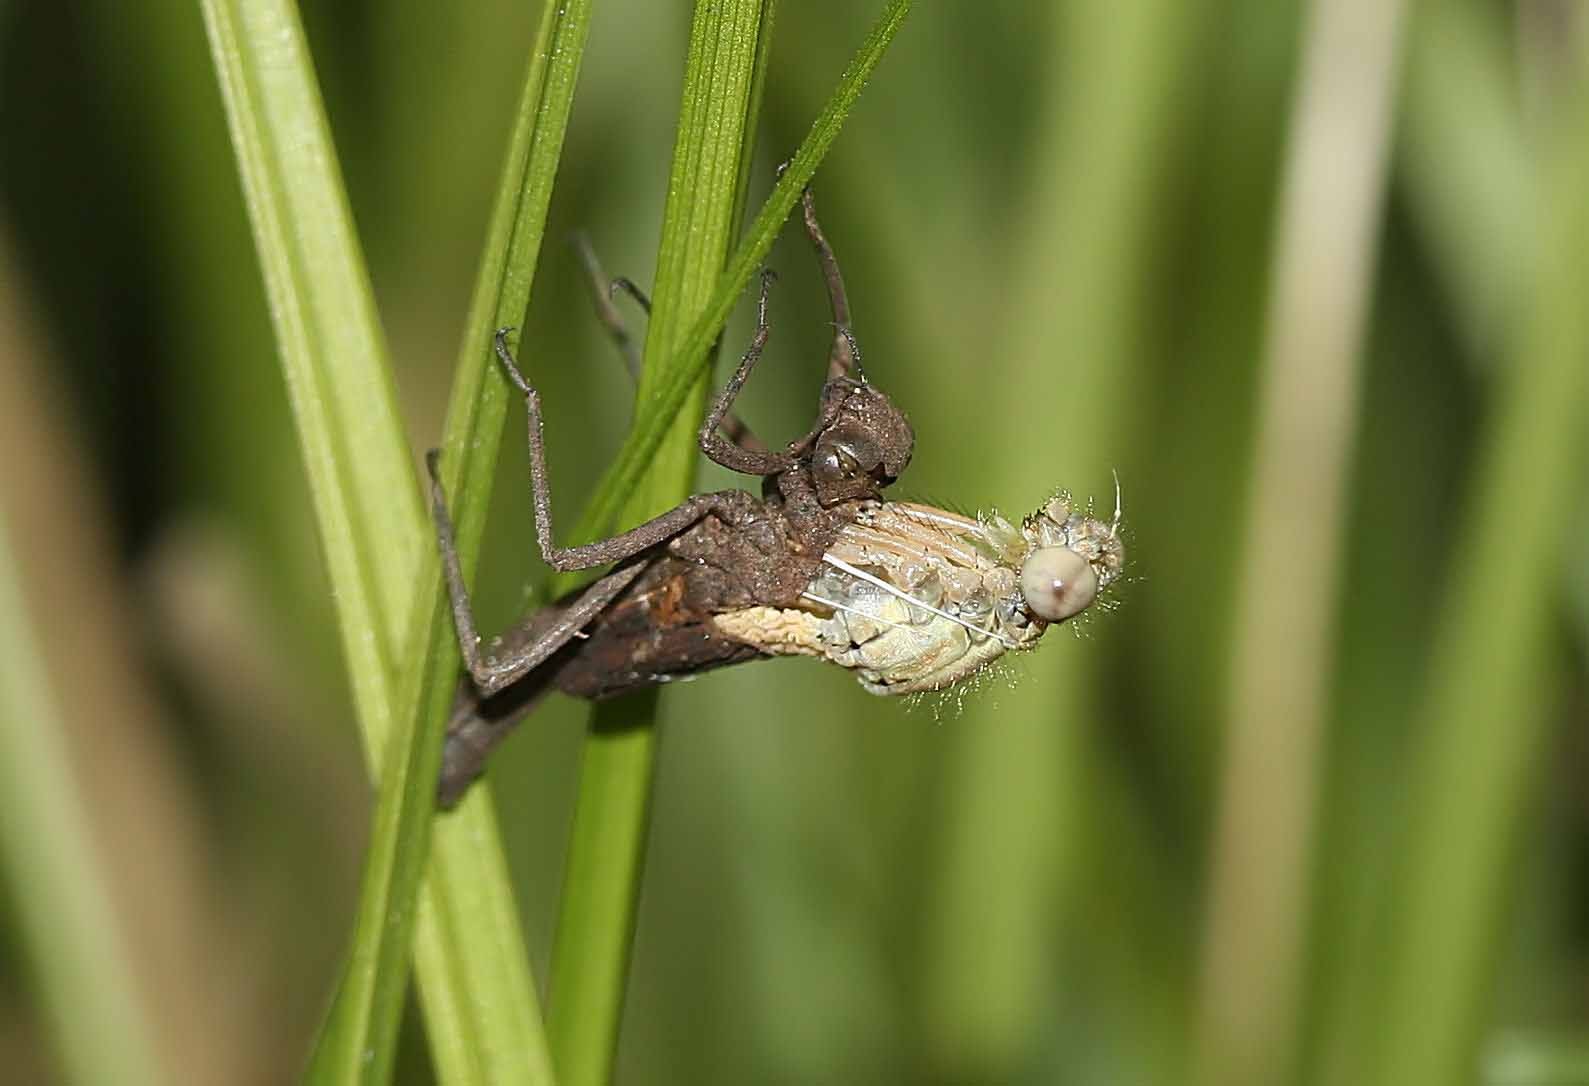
(479,722)
(603,291)
(492,673)
(726,453)
(726,504)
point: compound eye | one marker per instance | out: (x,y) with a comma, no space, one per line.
(844,459)
(1057,583)
(859,457)
(833,465)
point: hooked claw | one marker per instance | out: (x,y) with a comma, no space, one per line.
(509,364)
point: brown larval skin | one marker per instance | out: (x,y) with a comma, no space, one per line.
(754,551)
(661,626)
(649,619)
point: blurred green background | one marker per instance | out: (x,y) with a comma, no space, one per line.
(1308,806)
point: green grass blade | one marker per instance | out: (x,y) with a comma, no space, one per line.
(729,45)
(1488,703)
(330,343)
(479,1000)
(359,1038)
(331,350)
(596,914)
(75,956)
(340,387)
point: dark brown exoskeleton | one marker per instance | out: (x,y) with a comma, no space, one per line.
(651,619)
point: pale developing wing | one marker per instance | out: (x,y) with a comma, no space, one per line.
(899,593)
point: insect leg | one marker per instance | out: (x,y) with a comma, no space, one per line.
(602,292)
(480,722)
(491,672)
(728,504)
(730,455)
(843,360)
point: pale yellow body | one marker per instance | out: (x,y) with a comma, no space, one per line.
(916,598)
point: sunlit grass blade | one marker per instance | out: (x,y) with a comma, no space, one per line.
(362,484)
(479,1000)
(328,338)
(76,958)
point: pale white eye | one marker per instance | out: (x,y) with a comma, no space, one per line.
(1057,583)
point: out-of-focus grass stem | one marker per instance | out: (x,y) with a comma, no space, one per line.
(1488,703)
(1281,659)
(1466,164)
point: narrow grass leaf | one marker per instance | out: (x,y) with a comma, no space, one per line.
(332,353)
(340,387)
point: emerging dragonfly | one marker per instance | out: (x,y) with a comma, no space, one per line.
(909,596)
